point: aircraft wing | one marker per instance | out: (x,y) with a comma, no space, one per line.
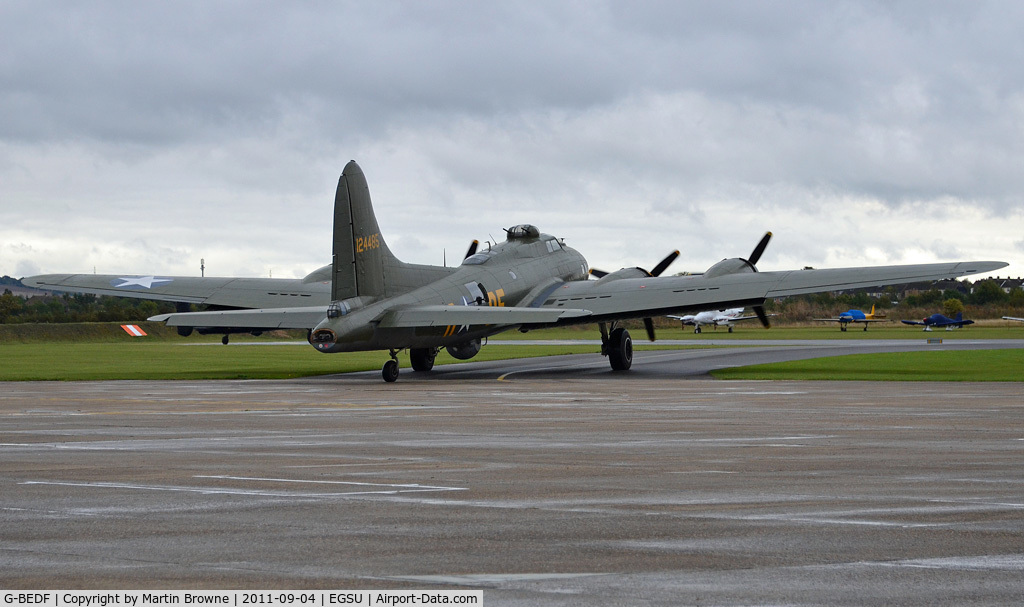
(305,317)
(739,318)
(661,296)
(1013,318)
(223,291)
(852,319)
(914,322)
(439,316)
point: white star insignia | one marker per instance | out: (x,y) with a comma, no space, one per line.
(145,282)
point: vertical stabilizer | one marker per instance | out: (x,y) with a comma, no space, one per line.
(361,257)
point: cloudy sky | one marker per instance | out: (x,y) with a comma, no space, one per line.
(141,137)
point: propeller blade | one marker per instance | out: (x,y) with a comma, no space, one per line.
(649,325)
(759,310)
(598,273)
(472,248)
(664,263)
(755,256)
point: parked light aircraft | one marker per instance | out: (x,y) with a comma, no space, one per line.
(369,300)
(855,316)
(938,320)
(714,318)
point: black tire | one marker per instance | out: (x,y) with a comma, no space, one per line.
(620,353)
(696,329)
(422,359)
(390,371)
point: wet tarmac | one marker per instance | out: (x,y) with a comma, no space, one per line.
(576,486)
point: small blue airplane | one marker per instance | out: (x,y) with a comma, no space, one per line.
(855,316)
(938,320)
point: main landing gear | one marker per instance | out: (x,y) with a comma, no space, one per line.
(617,346)
(422,360)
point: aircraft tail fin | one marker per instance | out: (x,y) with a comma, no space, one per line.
(959,316)
(361,257)
(871,314)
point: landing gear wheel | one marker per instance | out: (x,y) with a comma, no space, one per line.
(224,340)
(620,350)
(390,371)
(696,329)
(422,359)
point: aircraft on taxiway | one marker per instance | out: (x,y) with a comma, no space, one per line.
(715,318)
(855,316)
(369,300)
(939,320)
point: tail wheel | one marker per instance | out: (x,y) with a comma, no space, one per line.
(620,352)
(390,371)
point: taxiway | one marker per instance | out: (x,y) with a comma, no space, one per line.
(562,486)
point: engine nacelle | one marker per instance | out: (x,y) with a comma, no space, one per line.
(734,265)
(625,273)
(465,350)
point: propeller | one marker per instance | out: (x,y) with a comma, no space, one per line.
(755,256)
(664,263)
(472,248)
(658,269)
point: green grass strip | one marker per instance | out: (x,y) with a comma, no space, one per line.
(961,365)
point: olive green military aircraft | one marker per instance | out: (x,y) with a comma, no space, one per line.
(369,300)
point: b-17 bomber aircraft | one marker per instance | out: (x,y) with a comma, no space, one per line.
(855,316)
(367,299)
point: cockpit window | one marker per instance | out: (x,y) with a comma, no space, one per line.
(477,258)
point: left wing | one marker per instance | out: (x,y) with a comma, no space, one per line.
(224,291)
(1013,318)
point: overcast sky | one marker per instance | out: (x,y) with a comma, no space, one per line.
(140,137)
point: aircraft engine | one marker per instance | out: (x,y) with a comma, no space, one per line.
(734,265)
(465,350)
(738,265)
(620,274)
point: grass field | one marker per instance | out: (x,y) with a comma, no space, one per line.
(965,365)
(102,351)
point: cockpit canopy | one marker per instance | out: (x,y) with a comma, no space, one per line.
(522,231)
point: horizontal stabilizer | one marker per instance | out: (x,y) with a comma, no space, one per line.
(267,318)
(439,316)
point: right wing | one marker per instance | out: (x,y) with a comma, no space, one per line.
(646,297)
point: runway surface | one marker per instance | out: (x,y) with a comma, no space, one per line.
(569,485)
